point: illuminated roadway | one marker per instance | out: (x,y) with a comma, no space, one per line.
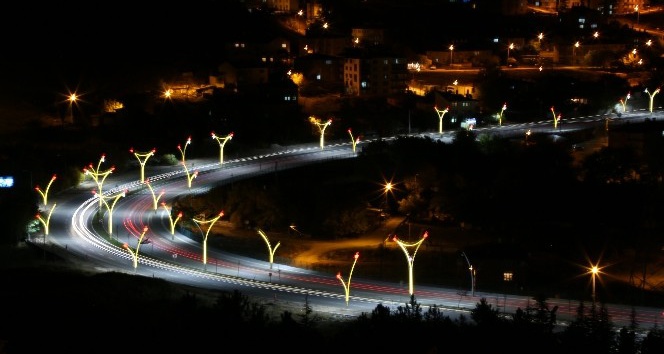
(177,258)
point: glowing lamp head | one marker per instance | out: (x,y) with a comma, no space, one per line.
(37,216)
(153,151)
(338,275)
(357,255)
(124,245)
(221,213)
(103,158)
(426,234)
(54,177)
(179,214)
(188,140)
(145,229)
(394,238)
(131,150)
(163,204)
(37,188)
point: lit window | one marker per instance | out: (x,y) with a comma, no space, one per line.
(364,84)
(318,77)
(507,276)
(283,45)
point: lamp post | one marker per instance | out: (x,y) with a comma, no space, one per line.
(540,37)
(556,119)
(652,96)
(410,258)
(44,194)
(636,9)
(170,218)
(500,117)
(46,222)
(321,127)
(527,135)
(222,142)
(509,47)
(624,103)
(574,47)
(134,253)
(110,207)
(594,271)
(142,158)
(269,247)
(205,236)
(72,101)
(353,141)
(346,285)
(155,198)
(441,114)
(472,273)
(183,151)
(387,189)
(98,176)
(451,50)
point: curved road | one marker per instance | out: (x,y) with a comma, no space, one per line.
(133,206)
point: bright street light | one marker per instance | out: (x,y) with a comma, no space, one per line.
(170,218)
(652,96)
(472,273)
(205,236)
(353,141)
(134,253)
(269,247)
(44,194)
(346,285)
(46,221)
(556,119)
(500,117)
(625,102)
(411,258)
(222,142)
(441,114)
(451,50)
(509,47)
(183,151)
(142,158)
(321,127)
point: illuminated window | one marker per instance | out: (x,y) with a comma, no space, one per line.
(507,276)
(364,84)
(318,77)
(283,45)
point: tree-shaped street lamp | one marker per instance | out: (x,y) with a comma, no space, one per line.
(98,176)
(556,119)
(441,114)
(46,222)
(205,235)
(114,199)
(321,127)
(170,218)
(500,117)
(222,142)
(346,285)
(269,248)
(353,141)
(155,198)
(134,253)
(410,258)
(624,103)
(183,152)
(652,96)
(142,158)
(44,194)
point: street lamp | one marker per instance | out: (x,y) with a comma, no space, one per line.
(110,207)
(411,258)
(72,101)
(321,127)
(346,285)
(636,8)
(46,221)
(44,194)
(451,50)
(509,47)
(170,218)
(134,253)
(625,102)
(500,117)
(472,273)
(155,198)
(540,37)
(527,135)
(353,141)
(269,248)
(556,119)
(98,176)
(205,236)
(574,47)
(183,151)
(387,189)
(222,142)
(142,158)
(441,114)
(652,97)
